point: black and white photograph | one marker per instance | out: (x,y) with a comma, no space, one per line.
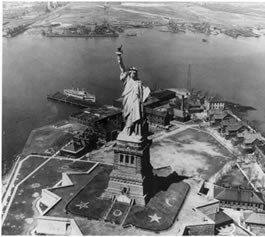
(133,118)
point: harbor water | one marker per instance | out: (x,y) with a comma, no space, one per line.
(34,66)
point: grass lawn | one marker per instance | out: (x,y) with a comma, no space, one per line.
(94,208)
(47,137)
(21,213)
(29,165)
(117,213)
(80,166)
(67,193)
(190,153)
(165,206)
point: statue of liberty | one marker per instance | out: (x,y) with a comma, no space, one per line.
(134,95)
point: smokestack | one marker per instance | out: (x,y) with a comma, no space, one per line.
(182,103)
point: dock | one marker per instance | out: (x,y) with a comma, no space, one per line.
(81,35)
(58,96)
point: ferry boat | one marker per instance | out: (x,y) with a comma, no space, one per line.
(80,94)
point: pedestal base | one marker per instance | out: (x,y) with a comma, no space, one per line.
(122,184)
(131,169)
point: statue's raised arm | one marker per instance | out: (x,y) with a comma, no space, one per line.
(133,96)
(120,61)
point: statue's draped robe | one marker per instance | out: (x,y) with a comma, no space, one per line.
(132,100)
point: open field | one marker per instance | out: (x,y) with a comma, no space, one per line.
(50,137)
(21,214)
(190,153)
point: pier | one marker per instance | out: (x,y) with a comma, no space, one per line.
(80,35)
(58,96)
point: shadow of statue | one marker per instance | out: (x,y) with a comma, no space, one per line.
(157,183)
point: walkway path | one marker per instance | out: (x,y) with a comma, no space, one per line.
(16,187)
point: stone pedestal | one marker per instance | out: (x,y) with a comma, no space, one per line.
(132,169)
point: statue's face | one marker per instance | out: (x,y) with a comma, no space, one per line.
(133,74)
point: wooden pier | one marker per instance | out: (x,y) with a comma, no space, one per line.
(58,96)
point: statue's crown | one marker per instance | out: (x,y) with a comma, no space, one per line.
(132,69)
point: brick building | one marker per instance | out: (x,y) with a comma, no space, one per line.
(159,116)
(249,141)
(207,229)
(180,109)
(81,143)
(230,128)
(195,106)
(213,103)
(105,121)
(163,95)
(216,117)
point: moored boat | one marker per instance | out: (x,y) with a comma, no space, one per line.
(80,94)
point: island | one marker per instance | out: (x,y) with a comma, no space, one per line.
(200,151)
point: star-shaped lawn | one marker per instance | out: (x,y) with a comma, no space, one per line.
(155,218)
(82,205)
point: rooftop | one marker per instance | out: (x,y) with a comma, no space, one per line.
(151,100)
(180,92)
(248,137)
(234,127)
(194,102)
(214,98)
(237,195)
(220,115)
(163,94)
(95,114)
(256,218)
(73,148)
(103,112)
(220,217)
(163,108)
